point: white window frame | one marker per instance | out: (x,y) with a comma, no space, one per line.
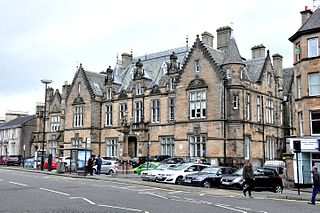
(138,111)
(269,111)
(313,47)
(76,142)
(271,146)
(155,111)
(197,146)
(171,110)
(78,116)
(300,122)
(111,148)
(297,52)
(173,83)
(315,122)
(314,83)
(55,123)
(123,107)
(235,101)
(197,65)
(198,104)
(259,109)
(248,106)
(299,87)
(139,89)
(109,93)
(167,146)
(109,115)
(246,147)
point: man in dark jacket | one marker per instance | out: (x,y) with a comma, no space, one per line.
(249,178)
(316,185)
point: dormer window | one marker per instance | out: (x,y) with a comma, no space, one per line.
(139,89)
(173,84)
(109,93)
(197,66)
(313,49)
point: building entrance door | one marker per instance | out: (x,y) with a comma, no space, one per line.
(132,146)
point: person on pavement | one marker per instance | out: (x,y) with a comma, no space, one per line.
(316,185)
(98,162)
(249,178)
(90,166)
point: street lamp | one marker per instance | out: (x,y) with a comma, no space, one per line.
(46,82)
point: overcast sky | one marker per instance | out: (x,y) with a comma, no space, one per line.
(45,39)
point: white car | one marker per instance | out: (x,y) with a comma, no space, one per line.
(152,174)
(108,167)
(176,174)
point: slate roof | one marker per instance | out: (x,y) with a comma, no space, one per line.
(287,80)
(18,122)
(232,55)
(310,26)
(254,68)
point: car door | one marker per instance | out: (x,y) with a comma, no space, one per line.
(259,178)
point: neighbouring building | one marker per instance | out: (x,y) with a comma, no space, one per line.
(306,95)
(16,136)
(192,102)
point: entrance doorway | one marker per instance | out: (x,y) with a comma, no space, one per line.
(132,146)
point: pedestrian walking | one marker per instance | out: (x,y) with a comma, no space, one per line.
(98,163)
(90,166)
(316,185)
(249,178)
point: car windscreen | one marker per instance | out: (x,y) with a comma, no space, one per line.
(180,167)
(211,170)
(162,167)
(239,172)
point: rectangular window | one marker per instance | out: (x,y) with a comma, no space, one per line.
(315,122)
(122,110)
(155,111)
(138,111)
(258,109)
(280,114)
(109,115)
(197,146)
(76,142)
(79,88)
(109,93)
(167,146)
(246,148)
(297,52)
(197,65)
(55,123)
(198,104)
(78,116)
(314,84)
(229,73)
(300,121)
(139,89)
(269,111)
(248,107)
(299,87)
(173,83)
(271,148)
(235,101)
(111,148)
(313,48)
(171,109)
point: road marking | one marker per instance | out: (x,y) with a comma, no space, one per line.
(123,208)
(89,201)
(1,180)
(19,184)
(174,192)
(57,192)
(152,194)
(230,208)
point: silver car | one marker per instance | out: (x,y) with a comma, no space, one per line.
(108,167)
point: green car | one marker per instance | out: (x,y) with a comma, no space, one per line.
(146,166)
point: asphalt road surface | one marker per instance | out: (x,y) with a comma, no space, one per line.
(35,192)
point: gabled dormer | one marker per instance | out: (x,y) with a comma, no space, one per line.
(173,71)
(138,79)
(108,84)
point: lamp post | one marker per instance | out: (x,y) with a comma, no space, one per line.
(46,82)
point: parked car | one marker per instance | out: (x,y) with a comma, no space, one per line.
(173,160)
(14,160)
(55,160)
(108,167)
(150,175)
(265,179)
(137,161)
(146,166)
(159,158)
(176,174)
(3,160)
(208,177)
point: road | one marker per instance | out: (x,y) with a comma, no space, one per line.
(35,192)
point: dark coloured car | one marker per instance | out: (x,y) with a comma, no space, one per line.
(208,177)
(265,179)
(159,158)
(14,160)
(173,160)
(137,161)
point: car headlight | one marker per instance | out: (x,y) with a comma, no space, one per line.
(237,179)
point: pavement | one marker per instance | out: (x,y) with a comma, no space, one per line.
(303,194)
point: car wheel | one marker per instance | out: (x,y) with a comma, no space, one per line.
(206,184)
(179,180)
(278,189)
(111,172)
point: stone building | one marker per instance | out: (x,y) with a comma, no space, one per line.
(306,95)
(198,102)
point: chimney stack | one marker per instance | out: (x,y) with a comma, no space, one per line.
(207,39)
(258,51)
(223,37)
(277,64)
(126,60)
(305,15)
